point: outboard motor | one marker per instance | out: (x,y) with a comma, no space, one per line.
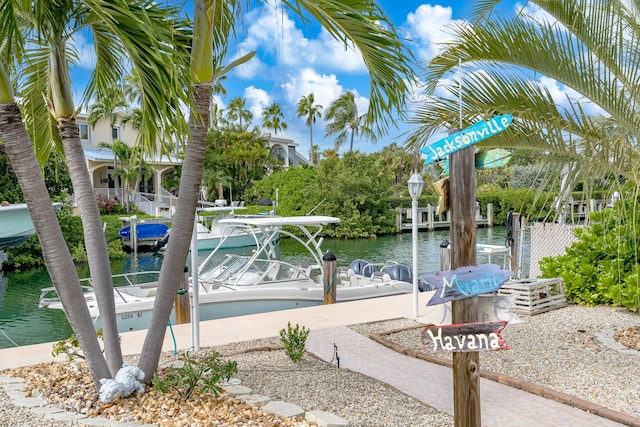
(160,243)
(360,266)
(399,272)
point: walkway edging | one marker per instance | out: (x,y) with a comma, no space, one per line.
(527,386)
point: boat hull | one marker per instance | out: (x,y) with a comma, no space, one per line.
(145,231)
(234,241)
(223,302)
(15,225)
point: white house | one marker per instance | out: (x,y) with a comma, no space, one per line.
(101,162)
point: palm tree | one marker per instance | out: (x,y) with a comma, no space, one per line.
(310,111)
(272,118)
(113,101)
(362,25)
(237,112)
(586,46)
(117,32)
(344,121)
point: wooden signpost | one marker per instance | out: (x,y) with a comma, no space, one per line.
(462,193)
(481,336)
(465,282)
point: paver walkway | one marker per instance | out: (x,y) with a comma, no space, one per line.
(432,384)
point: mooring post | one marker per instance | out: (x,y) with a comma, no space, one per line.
(183,314)
(329,277)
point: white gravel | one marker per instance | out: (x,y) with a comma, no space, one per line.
(558,349)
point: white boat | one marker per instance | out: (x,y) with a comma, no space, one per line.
(15,225)
(235,285)
(212,230)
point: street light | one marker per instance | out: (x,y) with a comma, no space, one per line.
(415,185)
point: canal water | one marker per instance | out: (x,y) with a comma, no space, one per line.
(23,323)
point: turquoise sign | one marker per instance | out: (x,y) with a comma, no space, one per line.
(469,136)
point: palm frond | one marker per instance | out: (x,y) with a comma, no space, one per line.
(362,24)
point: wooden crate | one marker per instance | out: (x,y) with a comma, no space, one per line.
(535,296)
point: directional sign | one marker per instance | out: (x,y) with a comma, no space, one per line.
(493,158)
(469,136)
(465,282)
(480,336)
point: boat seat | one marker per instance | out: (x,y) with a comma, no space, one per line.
(272,273)
(380,276)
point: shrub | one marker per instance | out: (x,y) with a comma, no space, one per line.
(70,347)
(205,371)
(294,340)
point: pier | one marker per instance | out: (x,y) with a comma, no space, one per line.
(429,221)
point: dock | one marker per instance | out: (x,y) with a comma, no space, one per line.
(429,221)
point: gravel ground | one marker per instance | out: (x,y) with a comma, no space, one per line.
(557,349)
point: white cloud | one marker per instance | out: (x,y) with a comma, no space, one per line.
(564,96)
(257,99)
(85,51)
(325,88)
(276,39)
(427,27)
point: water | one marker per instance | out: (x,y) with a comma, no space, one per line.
(23,323)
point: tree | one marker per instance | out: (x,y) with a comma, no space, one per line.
(310,111)
(345,122)
(361,25)
(237,158)
(398,161)
(119,30)
(273,119)
(237,113)
(585,46)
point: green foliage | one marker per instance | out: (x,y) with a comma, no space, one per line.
(29,254)
(71,347)
(109,206)
(355,188)
(203,371)
(235,158)
(602,267)
(294,340)
(56,177)
(292,185)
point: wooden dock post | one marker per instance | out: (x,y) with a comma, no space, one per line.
(466,365)
(329,278)
(183,314)
(515,247)
(489,214)
(430,217)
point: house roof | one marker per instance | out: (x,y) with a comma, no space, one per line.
(106,155)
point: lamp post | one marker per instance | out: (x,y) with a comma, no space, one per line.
(415,185)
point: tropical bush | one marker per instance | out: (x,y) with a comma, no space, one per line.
(203,372)
(294,339)
(602,267)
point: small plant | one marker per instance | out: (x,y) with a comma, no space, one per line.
(71,347)
(294,340)
(206,371)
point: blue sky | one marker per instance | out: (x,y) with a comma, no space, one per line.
(294,60)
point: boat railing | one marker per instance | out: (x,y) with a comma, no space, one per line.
(49,295)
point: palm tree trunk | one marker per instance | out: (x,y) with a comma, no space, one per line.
(351,142)
(54,248)
(182,230)
(95,242)
(311,145)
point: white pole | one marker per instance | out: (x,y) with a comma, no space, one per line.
(414,238)
(195,290)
